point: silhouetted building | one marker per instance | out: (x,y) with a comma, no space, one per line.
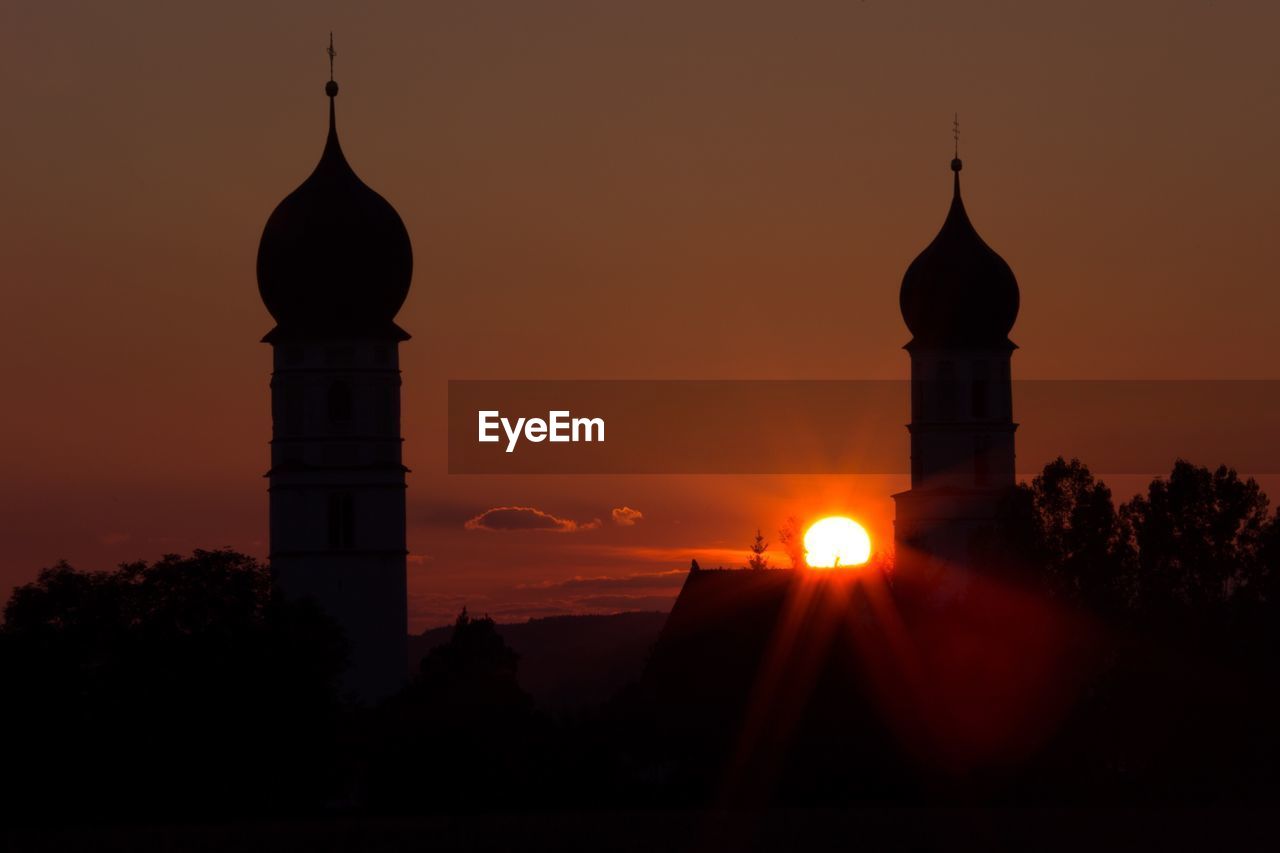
(334,266)
(763,685)
(959,299)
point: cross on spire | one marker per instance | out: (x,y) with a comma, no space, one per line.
(332,53)
(955,130)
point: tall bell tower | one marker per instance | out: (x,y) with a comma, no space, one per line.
(334,266)
(960,300)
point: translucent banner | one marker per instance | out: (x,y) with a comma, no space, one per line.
(843,427)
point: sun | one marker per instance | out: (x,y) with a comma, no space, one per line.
(836,541)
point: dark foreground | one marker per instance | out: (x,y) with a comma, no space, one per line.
(1091,679)
(795,829)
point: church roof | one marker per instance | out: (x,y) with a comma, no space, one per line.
(334,258)
(958,292)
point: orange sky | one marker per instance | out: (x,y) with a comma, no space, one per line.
(595,190)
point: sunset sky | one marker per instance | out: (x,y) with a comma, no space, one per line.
(599,190)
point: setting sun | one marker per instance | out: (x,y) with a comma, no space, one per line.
(836,541)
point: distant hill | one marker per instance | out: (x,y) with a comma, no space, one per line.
(569,662)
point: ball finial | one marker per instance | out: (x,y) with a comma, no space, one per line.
(331,88)
(956,165)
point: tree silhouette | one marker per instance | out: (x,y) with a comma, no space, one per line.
(1077,530)
(792,542)
(475,666)
(463,734)
(758,560)
(146,689)
(1268,586)
(1197,537)
(1200,536)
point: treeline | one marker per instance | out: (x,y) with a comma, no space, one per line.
(189,688)
(181,688)
(1197,538)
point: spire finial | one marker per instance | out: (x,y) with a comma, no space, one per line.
(331,88)
(956,165)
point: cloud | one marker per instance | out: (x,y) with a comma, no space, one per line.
(526,518)
(625,516)
(642,580)
(648,591)
(619,603)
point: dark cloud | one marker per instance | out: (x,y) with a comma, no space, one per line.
(645,580)
(619,603)
(625,516)
(526,518)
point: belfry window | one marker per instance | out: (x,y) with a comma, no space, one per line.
(291,402)
(341,520)
(981,460)
(946,390)
(978,401)
(387,410)
(340,407)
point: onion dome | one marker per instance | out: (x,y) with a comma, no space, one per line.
(335,258)
(958,292)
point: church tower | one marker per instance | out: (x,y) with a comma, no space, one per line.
(334,265)
(959,299)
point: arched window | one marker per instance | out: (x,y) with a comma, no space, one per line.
(342,520)
(946,390)
(387,410)
(978,401)
(981,460)
(339,402)
(291,401)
